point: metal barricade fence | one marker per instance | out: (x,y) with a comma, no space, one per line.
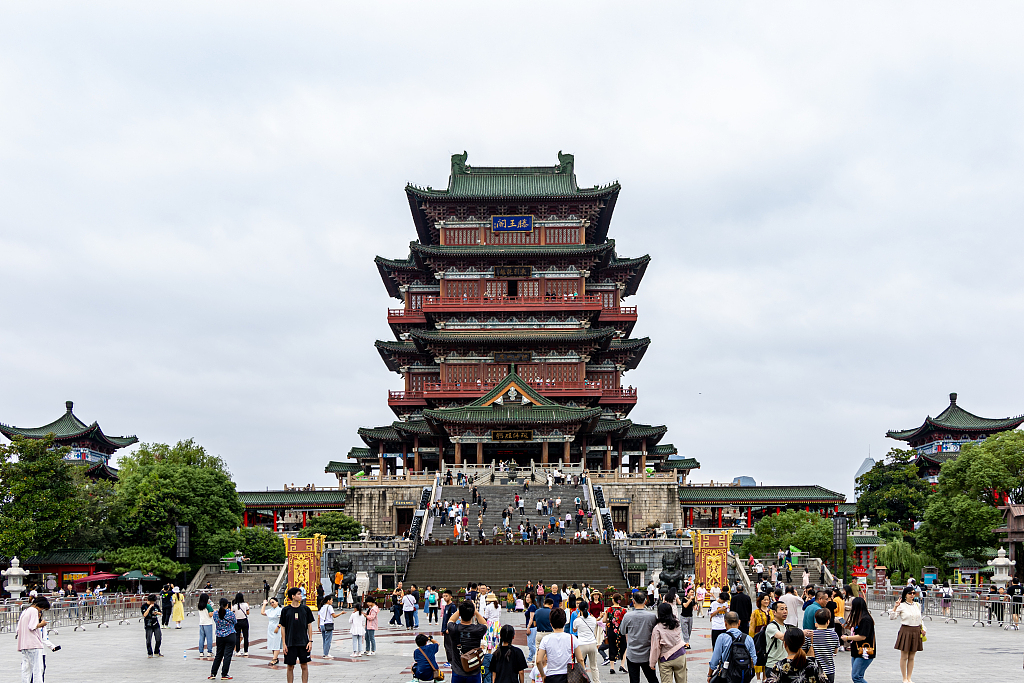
(978,609)
(113,609)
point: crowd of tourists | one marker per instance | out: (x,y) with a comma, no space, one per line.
(555,517)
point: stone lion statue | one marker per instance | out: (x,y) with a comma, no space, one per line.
(672,572)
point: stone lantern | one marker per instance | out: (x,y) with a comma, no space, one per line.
(15,578)
(1001,565)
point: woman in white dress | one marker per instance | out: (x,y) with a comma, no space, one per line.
(273,613)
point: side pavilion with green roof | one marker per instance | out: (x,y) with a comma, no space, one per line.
(724,505)
(88,443)
(289,509)
(940,438)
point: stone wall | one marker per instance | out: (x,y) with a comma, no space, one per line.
(368,560)
(651,504)
(373,506)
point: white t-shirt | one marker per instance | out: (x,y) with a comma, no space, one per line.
(718,621)
(585,628)
(357,624)
(558,646)
(327,614)
(408,603)
(241,611)
(206,616)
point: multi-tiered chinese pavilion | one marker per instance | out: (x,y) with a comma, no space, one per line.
(512,339)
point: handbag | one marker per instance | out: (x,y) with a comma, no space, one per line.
(575,673)
(438,674)
(327,628)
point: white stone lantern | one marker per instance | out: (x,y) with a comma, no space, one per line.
(1001,565)
(15,578)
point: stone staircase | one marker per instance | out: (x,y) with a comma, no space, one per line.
(499,565)
(797,574)
(250,583)
(498,496)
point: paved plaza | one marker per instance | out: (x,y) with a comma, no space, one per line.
(953,653)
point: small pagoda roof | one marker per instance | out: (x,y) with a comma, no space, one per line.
(639,431)
(637,266)
(391,350)
(68,428)
(678,462)
(848,509)
(388,266)
(449,338)
(101,470)
(605,426)
(956,419)
(293,498)
(634,348)
(385,433)
(758,495)
(340,467)
(529,407)
(512,182)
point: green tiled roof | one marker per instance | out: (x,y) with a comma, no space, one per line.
(386,266)
(639,431)
(770,495)
(512,182)
(385,433)
(355,453)
(540,411)
(681,464)
(67,556)
(388,351)
(555,250)
(866,540)
(513,337)
(637,346)
(335,467)
(847,508)
(292,498)
(638,265)
(605,426)
(662,449)
(956,419)
(937,458)
(68,428)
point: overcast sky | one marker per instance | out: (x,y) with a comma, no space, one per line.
(192,194)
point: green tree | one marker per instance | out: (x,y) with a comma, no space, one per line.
(261,546)
(38,497)
(161,486)
(808,531)
(892,491)
(145,559)
(336,526)
(99,510)
(961,516)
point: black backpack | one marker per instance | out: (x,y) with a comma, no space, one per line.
(761,647)
(739,668)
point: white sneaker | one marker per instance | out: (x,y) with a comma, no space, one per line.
(328,656)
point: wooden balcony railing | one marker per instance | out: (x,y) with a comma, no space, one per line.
(568,301)
(440,389)
(408,315)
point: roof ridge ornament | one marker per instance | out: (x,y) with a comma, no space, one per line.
(952,399)
(459,163)
(69,405)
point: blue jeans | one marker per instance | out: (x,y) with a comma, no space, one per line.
(416,623)
(531,642)
(357,644)
(475,678)
(371,640)
(328,637)
(206,636)
(860,665)
(485,668)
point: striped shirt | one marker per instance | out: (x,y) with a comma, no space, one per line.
(825,641)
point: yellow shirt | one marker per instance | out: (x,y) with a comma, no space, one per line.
(758,620)
(840,607)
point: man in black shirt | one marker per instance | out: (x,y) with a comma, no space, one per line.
(508,661)
(449,609)
(1016,593)
(165,599)
(740,604)
(151,620)
(465,629)
(297,620)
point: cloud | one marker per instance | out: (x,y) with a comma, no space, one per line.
(193,196)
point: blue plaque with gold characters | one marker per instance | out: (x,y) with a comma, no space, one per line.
(512,223)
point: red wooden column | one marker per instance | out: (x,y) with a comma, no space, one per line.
(750,517)
(405,458)
(275,520)
(719,518)
(544,452)
(566,459)
(245,518)
(417,459)
(303,519)
(380,461)
(479,452)
(458,452)
(643,457)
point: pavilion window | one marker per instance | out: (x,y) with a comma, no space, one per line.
(496,289)
(562,235)
(513,238)
(461,237)
(562,288)
(610,300)
(462,289)
(415,301)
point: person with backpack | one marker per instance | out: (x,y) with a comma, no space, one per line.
(466,628)
(797,667)
(734,654)
(431,602)
(774,633)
